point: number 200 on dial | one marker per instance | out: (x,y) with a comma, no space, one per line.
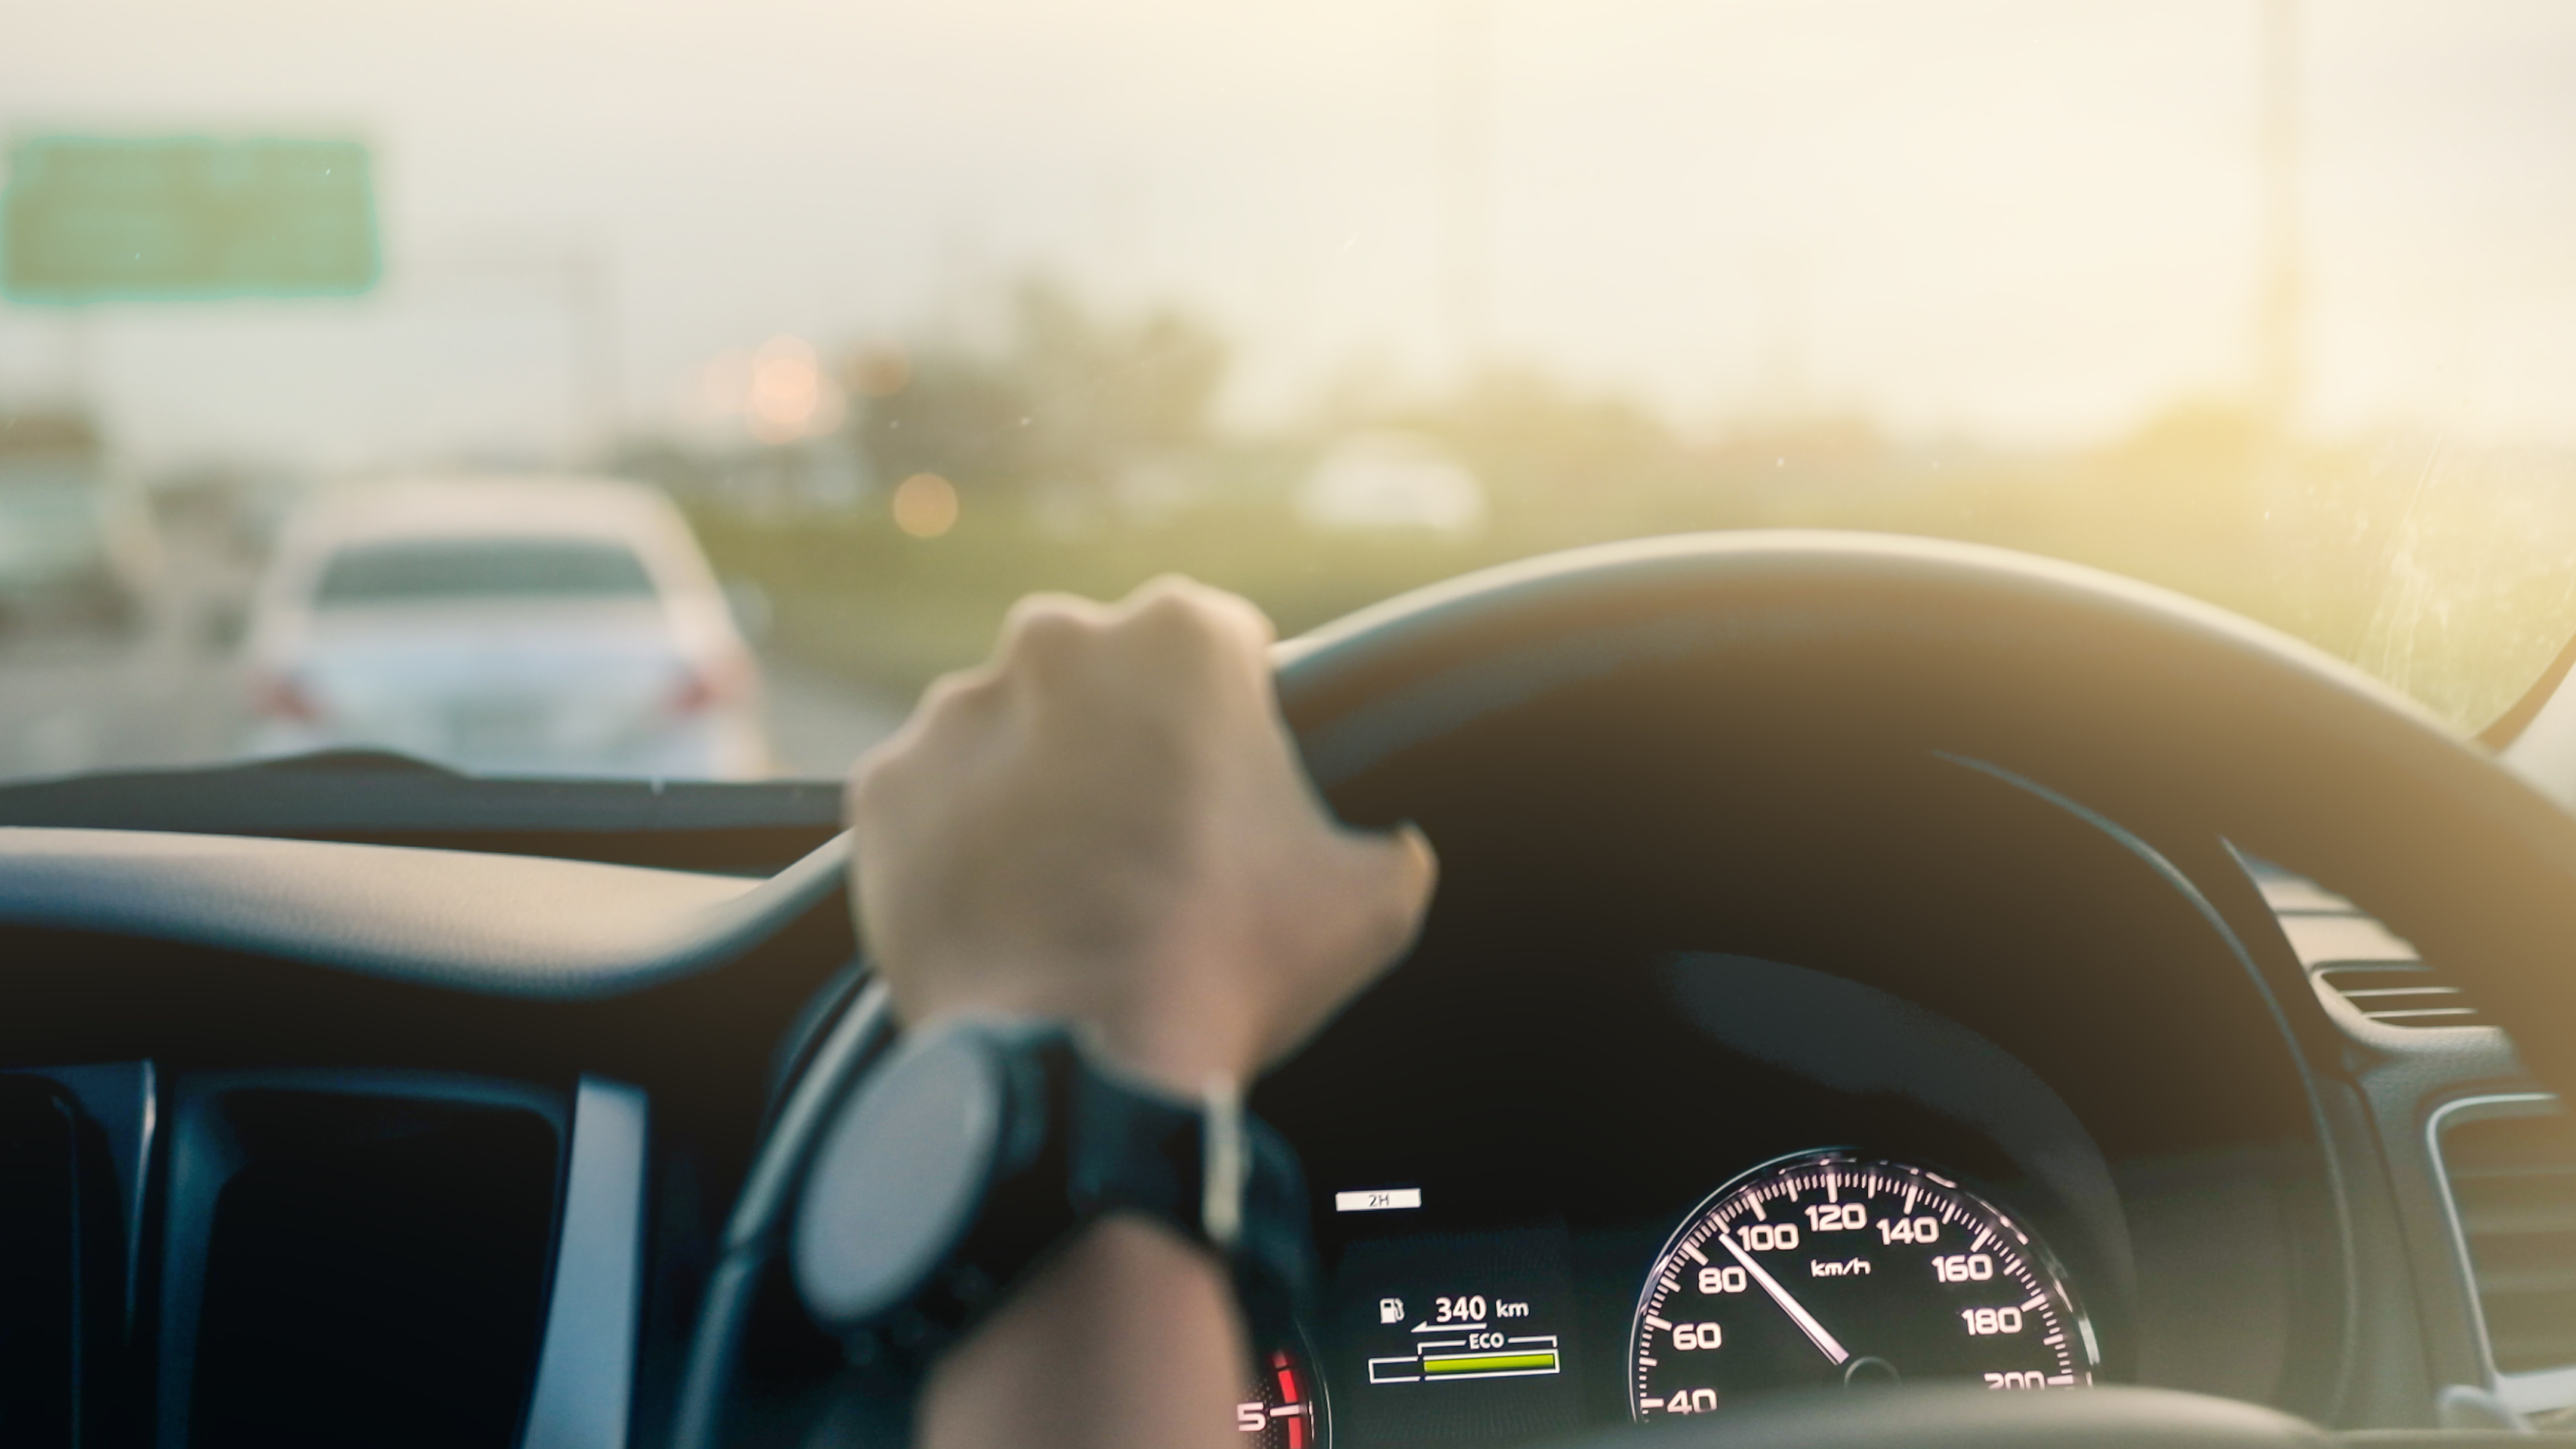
(1826,1268)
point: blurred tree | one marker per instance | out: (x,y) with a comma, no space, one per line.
(1794,457)
(1544,449)
(2194,437)
(2194,467)
(50,430)
(1069,400)
(958,415)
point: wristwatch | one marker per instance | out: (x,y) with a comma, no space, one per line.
(982,1145)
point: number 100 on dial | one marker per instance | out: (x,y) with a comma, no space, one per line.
(1828,1268)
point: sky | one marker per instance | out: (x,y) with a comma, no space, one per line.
(2027,221)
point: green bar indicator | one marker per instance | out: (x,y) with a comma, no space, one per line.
(1439,1361)
(1487,1365)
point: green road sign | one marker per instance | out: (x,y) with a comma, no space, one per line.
(88,219)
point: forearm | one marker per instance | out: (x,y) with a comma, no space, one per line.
(1129,1339)
(1109,826)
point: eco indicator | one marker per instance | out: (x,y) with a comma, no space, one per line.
(1450,1360)
(1457,1341)
(1482,1307)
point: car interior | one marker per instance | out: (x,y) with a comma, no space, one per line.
(1974,598)
(2210,988)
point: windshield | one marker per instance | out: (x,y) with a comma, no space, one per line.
(888,314)
(479,568)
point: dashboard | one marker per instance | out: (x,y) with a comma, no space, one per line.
(1959,1084)
(1734,1058)
(1955,1081)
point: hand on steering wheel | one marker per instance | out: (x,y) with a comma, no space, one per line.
(1108,825)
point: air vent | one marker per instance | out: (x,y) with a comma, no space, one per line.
(40,1263)
(2361,961)
(355,1259)
(2511,1167)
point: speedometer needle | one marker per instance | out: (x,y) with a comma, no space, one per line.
(1825,1342)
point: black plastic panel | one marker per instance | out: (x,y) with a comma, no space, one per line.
(356,1261)
(41,1230)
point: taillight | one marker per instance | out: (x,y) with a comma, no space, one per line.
(696,692)
(279,695)
(705,687)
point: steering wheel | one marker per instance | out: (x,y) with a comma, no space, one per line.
(2176,719)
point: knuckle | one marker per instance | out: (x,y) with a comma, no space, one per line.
(1046,629)
(1183,614)
(1163,613)
(1175,598)
(1171,592)
(953,694)
(952,710)
(1406,873)
(1051,633)
(871,781)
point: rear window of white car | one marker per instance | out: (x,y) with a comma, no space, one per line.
(422,572)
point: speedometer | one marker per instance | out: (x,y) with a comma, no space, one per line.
(1828,1268)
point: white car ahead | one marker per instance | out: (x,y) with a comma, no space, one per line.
(523,626)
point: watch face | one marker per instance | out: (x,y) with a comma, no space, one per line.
(899,1177)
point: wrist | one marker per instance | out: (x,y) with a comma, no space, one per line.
(1181,1055)
(1018,1140)
(1167,1027)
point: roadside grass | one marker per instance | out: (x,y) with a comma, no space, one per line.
(859,597)
(2458,595)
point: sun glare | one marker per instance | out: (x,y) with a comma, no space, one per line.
(925,505)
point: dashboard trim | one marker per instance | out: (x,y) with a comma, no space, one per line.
(2328,1144)
(503,925)
(585,1385)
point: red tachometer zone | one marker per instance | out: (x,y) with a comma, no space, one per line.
(1283,1409)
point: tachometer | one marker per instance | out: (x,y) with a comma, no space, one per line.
(1828,1268)
(1285,1408)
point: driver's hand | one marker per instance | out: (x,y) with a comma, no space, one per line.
(1107,824)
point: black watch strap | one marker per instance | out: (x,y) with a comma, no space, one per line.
(977,1150)
(1210,1169)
